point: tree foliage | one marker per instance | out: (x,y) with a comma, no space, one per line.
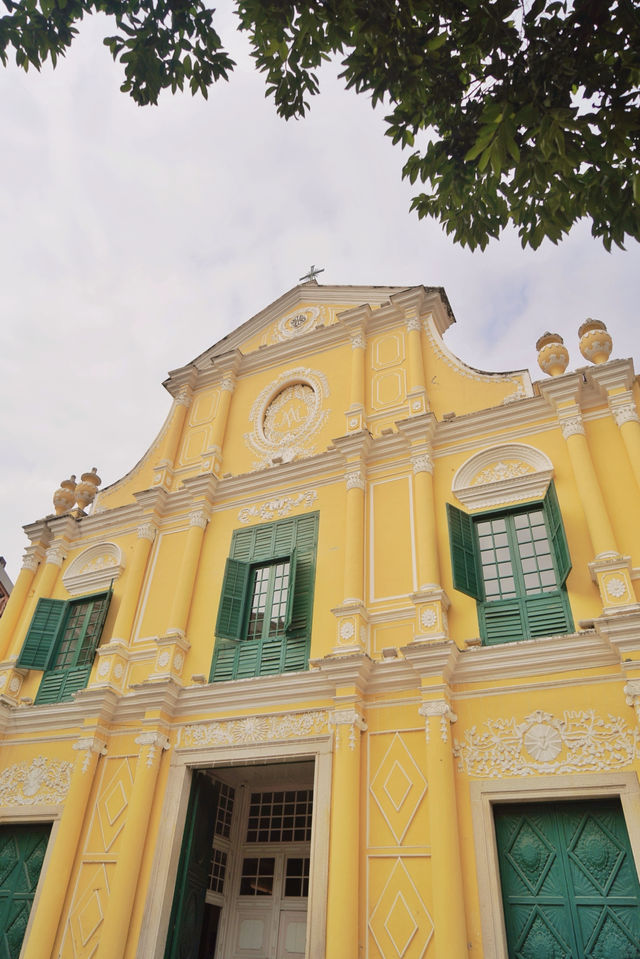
(515,111)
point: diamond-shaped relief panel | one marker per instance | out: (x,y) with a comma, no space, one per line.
(541,941)
(398,787)
(111,807)
(611,938)
(597,853)
(530,855)
(82,934)
(400,924)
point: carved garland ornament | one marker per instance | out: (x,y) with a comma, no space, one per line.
(286,415)
(42,780)
(254,729)
(278,507)
(579,742)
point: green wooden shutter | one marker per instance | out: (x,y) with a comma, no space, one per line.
(502,621)
(235,588)
(187,912)
(467,576)
(557,533)
(291,588)
(39,646)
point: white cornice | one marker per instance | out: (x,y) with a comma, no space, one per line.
(527,657)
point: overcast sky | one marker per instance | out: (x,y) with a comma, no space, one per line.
(134,238)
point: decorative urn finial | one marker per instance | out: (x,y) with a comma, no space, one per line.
(86,490)
(553,355)
(595,342)
(65,496)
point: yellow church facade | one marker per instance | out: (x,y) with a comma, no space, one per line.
(346,666)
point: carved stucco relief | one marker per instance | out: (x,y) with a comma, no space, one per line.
(254,729)
(286,415)
(581,741)
(42,781)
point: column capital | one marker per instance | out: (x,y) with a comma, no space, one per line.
(184,397)
(422,463)
(154,742)
(349,718)
(571,425)
(438,708)
(33,556)
(199,517)
(55,554)
(89,745)
(623,408)
(148,531)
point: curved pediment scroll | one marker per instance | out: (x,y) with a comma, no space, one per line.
(503,474)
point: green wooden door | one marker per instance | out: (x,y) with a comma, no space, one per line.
(187,913)
(22,851)
(569,884)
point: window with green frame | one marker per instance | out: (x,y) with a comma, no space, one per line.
(515,563)
(62,641)
(264,617)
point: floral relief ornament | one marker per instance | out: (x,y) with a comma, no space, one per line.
(278,507)
(542,743)
(616,587)
(40,781)
(254,729)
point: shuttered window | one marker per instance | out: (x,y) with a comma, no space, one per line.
(264,616)
(514,563)
(62,641)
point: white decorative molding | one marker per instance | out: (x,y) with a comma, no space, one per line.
(625,414)
(616,587)
(286,415)
(442,352)
(94,569)
(354,479)
(572,426)
(441,708)
(350,718)
(55,555)
(414,323)
(88,745)
(422,463)
(155,741)
(30,561)
(254,729)
(183,397)
(507,473)
(358,341)
(147,531)
(580,742)
(347,629)
(198,517)
(298,321)
(428,618)
(42,781)
(228,383)
(273,508)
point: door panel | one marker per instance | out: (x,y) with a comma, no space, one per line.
(22,851)
(569,884)
(292,934)
(187,914)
